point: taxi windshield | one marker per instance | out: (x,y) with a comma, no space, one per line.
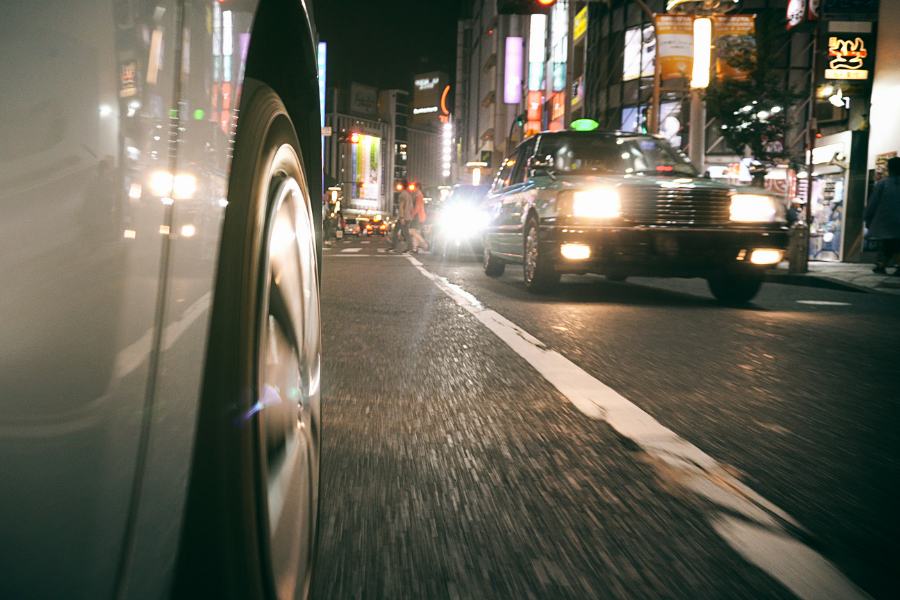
(591,154)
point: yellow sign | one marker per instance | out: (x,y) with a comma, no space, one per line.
(580,24)
(846,59)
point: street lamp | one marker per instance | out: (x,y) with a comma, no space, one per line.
(699,81)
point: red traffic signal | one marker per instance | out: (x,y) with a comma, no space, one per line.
(524,7)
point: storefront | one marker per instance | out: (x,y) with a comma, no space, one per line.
(838,196)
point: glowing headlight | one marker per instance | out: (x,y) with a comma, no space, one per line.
(766,257)
(597,204)
(464,218)
(182,187)
(751,208)
(185,186)
(575,251)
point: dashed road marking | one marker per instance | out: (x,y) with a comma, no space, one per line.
(348,250)
(754,527)
(823,303)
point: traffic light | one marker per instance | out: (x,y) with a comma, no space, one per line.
(524,7)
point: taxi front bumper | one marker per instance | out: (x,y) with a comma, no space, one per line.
(659,251)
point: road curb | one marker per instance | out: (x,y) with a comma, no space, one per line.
(816,281)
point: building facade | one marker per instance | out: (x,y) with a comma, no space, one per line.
(372,147)
(597,59)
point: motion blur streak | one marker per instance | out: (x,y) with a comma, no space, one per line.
(766,542)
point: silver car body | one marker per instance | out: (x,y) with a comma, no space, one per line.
(107,278)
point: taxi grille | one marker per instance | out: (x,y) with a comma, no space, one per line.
(676,206)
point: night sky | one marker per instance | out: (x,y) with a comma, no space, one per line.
(383,43)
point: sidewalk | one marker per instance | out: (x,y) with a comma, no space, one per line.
(851,277)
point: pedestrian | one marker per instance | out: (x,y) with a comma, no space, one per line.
(418,221)
(405,202)
(883,217)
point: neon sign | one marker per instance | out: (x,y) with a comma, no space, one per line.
(847,59)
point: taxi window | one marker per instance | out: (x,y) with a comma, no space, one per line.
(525,151)
(502,179)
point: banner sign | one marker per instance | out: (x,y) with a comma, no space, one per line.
(796,12)
(735,36)
(675,45)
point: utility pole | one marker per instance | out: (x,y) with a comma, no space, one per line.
(798,256)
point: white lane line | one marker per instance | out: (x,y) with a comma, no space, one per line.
(807,574)
(381,250)
(823,303)
(366,242)
(346,250)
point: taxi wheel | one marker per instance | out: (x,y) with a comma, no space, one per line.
(250,523)
(540,276)
(735,288)
(493,266)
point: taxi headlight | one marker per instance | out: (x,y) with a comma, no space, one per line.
(464,218)
(753,208)
(597,204)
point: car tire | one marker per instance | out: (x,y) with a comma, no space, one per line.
(735,288)
(250,522)
(540,276)
(493,266)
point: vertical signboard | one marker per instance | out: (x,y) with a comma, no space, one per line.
(537,40)
(735,38)
(320,63)
(580,27)
(366,161)
(675,45)
(428,89)
(512,72)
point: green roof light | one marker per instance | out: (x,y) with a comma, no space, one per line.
(585,125)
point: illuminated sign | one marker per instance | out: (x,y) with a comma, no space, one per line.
(640,53)
(580,24)
(444,101)
(427,83)
(365,160)
(557,106)
(535,99)
(428,90)
(847,59)
(512,78)
(320,63)
(536,43)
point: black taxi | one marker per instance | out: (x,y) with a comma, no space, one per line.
(625,204)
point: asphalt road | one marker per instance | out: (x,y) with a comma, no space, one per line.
(736,452)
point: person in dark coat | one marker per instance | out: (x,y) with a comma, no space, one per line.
(883,217)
